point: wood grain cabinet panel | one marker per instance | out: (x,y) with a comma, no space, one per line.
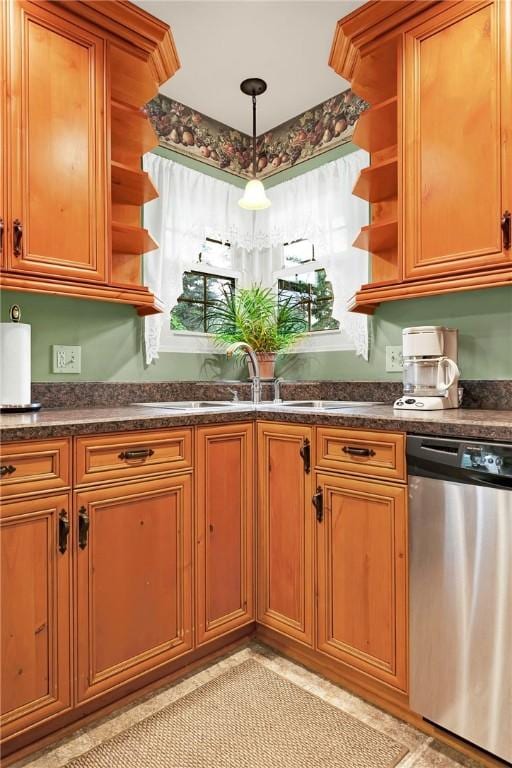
(104,458)
(457,144)
(35,600)
(34,466)
(285,531)
(58,130)
(361,452)
(362,576)
(224,529)
(134,579)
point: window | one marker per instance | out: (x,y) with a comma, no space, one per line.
(298,252)
(313,291)
(201,291)
(216,254)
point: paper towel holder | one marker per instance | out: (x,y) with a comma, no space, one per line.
(15,317)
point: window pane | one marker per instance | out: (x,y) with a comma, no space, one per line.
(322,287)
(321,316)
(187,316)
(298,252)
(314,292)
(217,287)
(193,286)
(216,254)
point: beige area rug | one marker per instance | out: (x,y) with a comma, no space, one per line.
(249,717)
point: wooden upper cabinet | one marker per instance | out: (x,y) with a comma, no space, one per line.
(3,148)
(362,576)
(133,548)
(458,134)
(285,530)
(58,132)
(35,600)
(224,529)
(75,76)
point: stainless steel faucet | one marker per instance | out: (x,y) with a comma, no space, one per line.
(249,351)
(277,390)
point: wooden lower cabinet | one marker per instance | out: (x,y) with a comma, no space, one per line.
(134,580)
(285,530)
(35,610)
(362,576)
(224,529)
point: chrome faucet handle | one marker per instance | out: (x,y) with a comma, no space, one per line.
(234,393)
(277,390)
(256,389)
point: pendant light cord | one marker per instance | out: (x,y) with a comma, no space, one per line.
(254,135)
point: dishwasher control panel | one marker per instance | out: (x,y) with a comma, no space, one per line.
(487,458)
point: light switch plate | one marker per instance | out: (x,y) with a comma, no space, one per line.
(67,359)
(394,359)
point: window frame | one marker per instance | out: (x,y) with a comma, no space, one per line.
(196,342)
(335,340)
(204,303)
(310,302)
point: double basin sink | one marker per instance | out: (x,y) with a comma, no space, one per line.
(324,405)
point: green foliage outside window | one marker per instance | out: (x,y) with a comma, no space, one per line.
(313,293)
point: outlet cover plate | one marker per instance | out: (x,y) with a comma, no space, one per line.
(394,359)
(67,359)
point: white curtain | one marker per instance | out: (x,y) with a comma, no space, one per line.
(318,206)
(189,205)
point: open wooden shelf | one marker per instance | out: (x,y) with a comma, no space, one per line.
(378,237)
(131,79)
(131,186)
(128,239)
(378,182)
(132,134)
(376,128)
(375,75)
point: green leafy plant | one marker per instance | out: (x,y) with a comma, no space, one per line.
(253,315)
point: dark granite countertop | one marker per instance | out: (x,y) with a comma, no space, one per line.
(464,423)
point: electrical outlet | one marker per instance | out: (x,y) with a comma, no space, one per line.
(67,359)
(394,359)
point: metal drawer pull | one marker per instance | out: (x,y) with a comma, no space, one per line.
(506,227)
(358,451)
(137,453)
(7,469)
(318,503)
(63,531)
(305,452)
(17,228)
(83,527)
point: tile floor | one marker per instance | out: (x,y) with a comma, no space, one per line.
(424,752)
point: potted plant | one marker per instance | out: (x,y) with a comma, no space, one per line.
(254,315)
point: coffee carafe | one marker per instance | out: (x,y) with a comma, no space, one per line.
(431,374)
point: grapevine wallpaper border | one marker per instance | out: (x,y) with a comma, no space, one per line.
(319,129)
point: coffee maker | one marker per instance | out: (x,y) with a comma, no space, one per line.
(431,374)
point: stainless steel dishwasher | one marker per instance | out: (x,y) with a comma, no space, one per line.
(460,604)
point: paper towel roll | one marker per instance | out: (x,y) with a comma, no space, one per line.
(15,371)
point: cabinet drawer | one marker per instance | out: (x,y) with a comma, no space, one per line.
(133,454)
(374,454)
(32,467)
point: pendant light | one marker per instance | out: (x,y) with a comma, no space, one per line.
(255,198)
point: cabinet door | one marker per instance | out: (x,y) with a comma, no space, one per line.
(3,139)
(362,576)
(457,151)
(58,163)
(134,579)
(35,600)
(285,531)
(224,530)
